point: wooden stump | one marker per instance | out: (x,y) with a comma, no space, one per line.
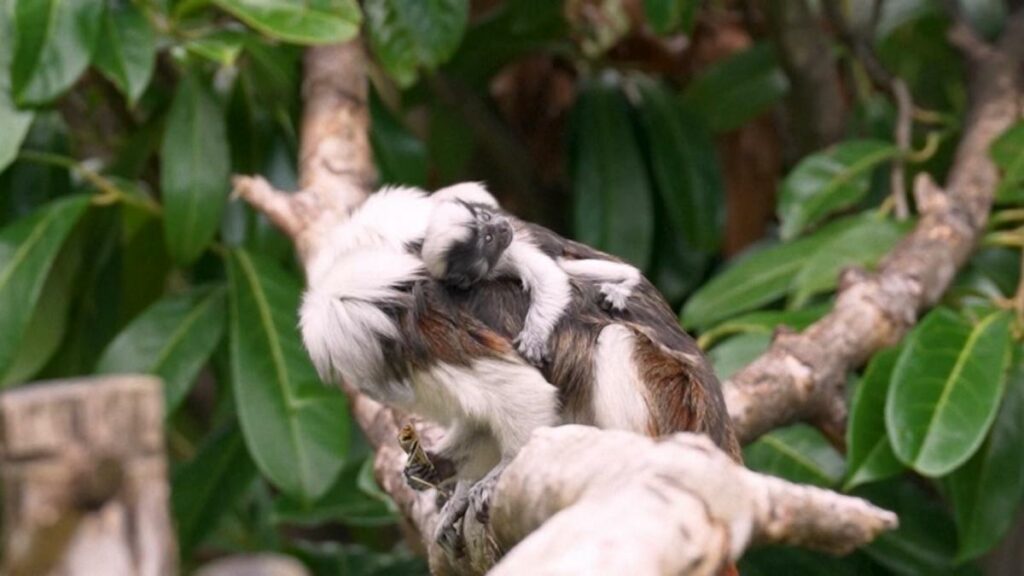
(84,479)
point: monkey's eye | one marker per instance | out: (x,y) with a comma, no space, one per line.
(486,216)
(489,238)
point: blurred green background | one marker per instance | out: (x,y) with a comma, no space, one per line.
(739,152)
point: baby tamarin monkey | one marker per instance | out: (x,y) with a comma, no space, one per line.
(470,239)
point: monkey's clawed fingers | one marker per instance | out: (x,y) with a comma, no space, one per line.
(614,296)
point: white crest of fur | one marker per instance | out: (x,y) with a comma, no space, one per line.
(472,192)
(340,318)
(450,223)
(619,401)
(391,218)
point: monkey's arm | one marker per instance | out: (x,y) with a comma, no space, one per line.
(616,280)
(550,294)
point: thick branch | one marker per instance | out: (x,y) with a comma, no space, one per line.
(628,504)
(717,503)
(801,376)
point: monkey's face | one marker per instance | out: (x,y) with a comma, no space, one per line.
(465,241)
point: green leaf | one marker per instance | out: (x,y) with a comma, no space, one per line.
(1007,151)
(945,390)
(736,352)
(296,428)
(194,171)
(829,181)
(409,35)
(172,339)
(222,46)
(127,53)
(307,22)
(737,89)
(612,196)
(667,16)
(987,491)
(345,502)
(798,454)
(684,166)
(401,157)
(763,322)
(925,540)
(49,322)
(53,43)
(758,277)
(14,123)
(206,487)
(862,245)
(28,248)
(869,455)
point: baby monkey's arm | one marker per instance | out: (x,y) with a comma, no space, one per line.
(550,294)
(616,280)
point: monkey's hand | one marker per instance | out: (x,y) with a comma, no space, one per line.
(614,295)
(429,472)
(533,346)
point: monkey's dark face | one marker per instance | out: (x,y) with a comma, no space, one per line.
(472,259)
(465,241)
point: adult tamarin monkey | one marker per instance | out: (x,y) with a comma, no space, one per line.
(373,317)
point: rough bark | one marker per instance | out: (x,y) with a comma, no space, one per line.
(85,480)
(331,187)
(801,376)
(619,503)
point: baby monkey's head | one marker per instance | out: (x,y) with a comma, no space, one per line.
(464,241)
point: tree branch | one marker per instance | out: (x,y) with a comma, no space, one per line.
(801,376)
(685,472)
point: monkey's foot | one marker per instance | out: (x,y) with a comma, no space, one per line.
(532,346)
(449,527)
(614,296)
(480,498)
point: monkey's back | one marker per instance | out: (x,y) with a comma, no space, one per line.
(682,391)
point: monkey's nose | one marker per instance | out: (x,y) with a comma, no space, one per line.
(502,231)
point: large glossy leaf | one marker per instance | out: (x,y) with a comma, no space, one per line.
(924,542)
(194,171)
(945,390)
(666,16)
(798,453)
(988,489)
(410,35)
(172,339)
(1007,151)
(869,456)
(345,502)
(763,322)
(14,123)
(307,22)
(828,181)
(127,52)
(206,487)
(295,427)
(736,352)
(612,196)
(28,248)
(756,278)
(736,90)
(684,166)
(862,245)
(48,325)
(53,43)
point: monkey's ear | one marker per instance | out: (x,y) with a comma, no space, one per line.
(471,192)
